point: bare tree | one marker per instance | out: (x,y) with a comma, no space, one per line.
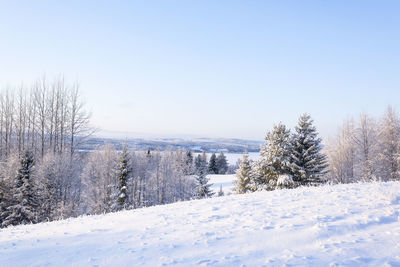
(40,92)
(341,152)
(79,120)
(21,119)
(389,142)
(97,179)
(365,139)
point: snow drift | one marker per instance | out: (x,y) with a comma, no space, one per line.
(354,224)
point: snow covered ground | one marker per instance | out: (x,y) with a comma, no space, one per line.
(351,225)
(226,180)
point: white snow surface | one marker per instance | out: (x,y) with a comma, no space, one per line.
(226,180)
(350,225)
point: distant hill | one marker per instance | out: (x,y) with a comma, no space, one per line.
(194,144)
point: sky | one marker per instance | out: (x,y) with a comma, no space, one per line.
(209,68)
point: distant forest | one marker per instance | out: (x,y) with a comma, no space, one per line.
(197,145)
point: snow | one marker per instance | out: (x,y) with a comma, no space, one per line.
(226,180)
(284,180)
(350,225)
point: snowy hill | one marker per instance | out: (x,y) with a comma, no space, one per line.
(352,225)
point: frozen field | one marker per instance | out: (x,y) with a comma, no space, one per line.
(226,180)
(342,225)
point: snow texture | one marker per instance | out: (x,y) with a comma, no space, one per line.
(226,180)
(284,180)
(351,225)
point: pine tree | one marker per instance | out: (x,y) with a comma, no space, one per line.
(188,163)
(212,165)
(204,162)
(275,158)
(285,181)
(121,175)
(23,209)
(222,164)
(201,163)
(308,163)
(4,203)
(198,163)
(243,175)
(203,189)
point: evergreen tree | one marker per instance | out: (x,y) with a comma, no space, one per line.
(24,205)
(201,163)
(222,164)
(121,175)
(275,158)
(212,165)
(204,162)
(285,181)
(308,163)
(203,189)
(198,163)
(188,163)
(4,203)
(243,175)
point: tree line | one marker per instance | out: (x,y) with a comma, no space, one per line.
(46,116)
(106,180)
(41,126)
(215,165)
(287,160)
(44,176)
(366,149)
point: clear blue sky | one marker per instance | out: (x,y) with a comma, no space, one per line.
(210,68)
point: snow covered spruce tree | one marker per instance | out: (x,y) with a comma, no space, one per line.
(197,163)
(24,202)
(202,186)
(188,163)
(212,164)
(4,203)
(201,162)
(123,169)
(275,158)
(308,163)
(243,176)
(222,164)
